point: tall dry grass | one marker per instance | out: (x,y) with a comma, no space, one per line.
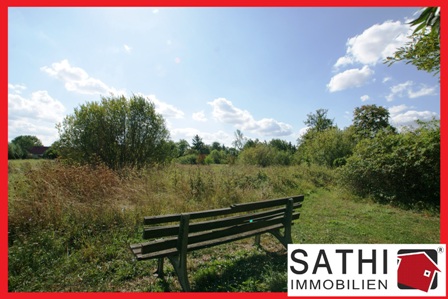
(62,196)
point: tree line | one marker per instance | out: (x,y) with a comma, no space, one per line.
(371,157)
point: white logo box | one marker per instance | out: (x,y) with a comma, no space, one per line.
(366,270)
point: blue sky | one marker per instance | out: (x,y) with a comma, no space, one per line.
(211,71)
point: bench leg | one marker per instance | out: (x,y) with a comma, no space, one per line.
(180,267)
(276,233)
(286,238)
(159,271)
(180,261)
(257,240)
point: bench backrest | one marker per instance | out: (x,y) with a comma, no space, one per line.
(219,225)
(242,207)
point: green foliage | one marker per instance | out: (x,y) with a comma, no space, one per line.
(216,157)
(264,155)
(399,168)
(182,147)
(199,146)
(429,18)
(368,120)
(117,131)
(423,51)
(190,159)
(18,148)
(319,121)
(327,148)
(14,151)
(282,145)
(53,151)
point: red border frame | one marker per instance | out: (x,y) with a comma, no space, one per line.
(5,4)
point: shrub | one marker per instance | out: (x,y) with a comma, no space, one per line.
(117,131)
(188,159)
(401,168)
(327,148)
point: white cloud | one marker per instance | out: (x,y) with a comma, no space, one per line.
(41,106)
(167,110)
(344,60)
(16,88)
(365,98)
(127,48)
(349,79)
(398,90)
(76,79)
(224,111)
(402,115)
(395,110)
(37,115)
(386,79)
(424,91)
(407,89)
(268,127)
(375,43)
(199,116)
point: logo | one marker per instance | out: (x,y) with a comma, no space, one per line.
(417,269)
(366,270)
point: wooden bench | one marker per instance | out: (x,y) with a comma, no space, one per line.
(172,236)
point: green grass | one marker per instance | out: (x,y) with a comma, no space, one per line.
(70,226)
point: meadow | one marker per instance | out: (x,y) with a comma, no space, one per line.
(70,225)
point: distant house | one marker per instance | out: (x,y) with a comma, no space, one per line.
(416,270)
(38,151)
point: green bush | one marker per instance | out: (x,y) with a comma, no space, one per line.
(216,157)
(118,132)
(327,148)
(188,159)
(399,168)
(265,155)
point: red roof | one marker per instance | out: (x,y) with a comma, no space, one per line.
(38,150)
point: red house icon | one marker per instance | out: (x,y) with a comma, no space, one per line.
(416,270)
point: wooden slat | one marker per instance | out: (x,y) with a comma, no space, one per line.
(244,207)
(164,244)
(217,231)
(173,230)
(151,220)
(201,245)
(233,230)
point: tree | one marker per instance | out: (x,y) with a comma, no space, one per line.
(117,131)
(423,51)
(368,120)
(182,147)
(14,151)
(53,151)
(24,143)
(217,146)
(319,121)
(198,145)
(282,145)
(240,140)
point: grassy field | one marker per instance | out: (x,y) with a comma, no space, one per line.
(70,226)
